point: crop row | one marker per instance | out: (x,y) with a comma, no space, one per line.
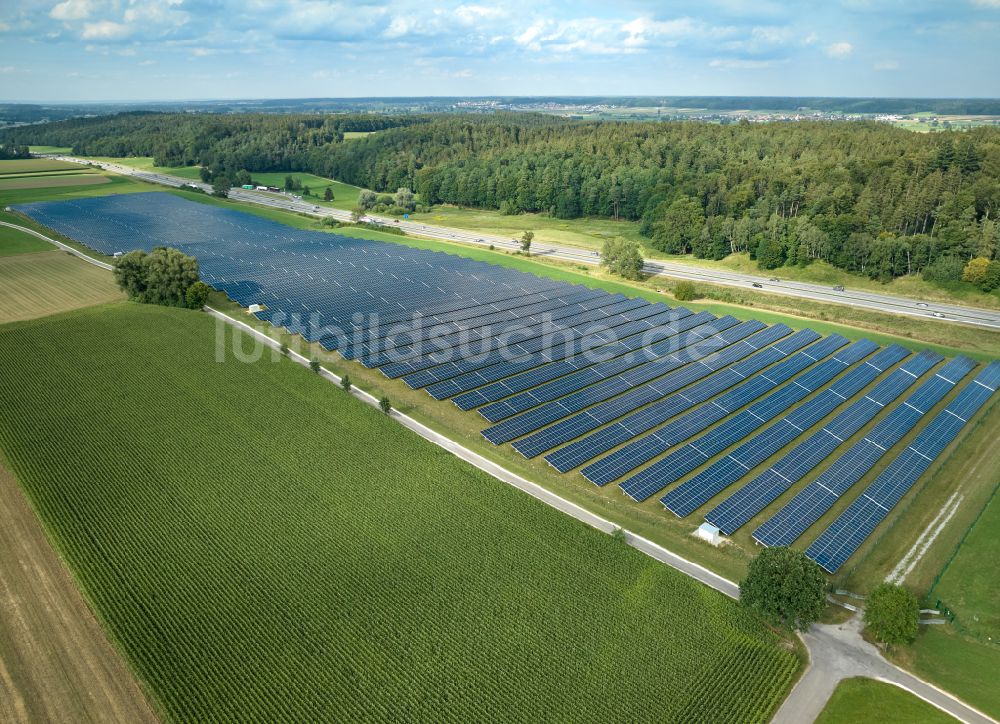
(263,547)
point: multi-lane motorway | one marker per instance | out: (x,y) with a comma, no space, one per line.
(861,299)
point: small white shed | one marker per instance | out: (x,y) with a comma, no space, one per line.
(254,308)
(709,533)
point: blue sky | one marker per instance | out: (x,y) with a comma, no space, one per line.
(199,49)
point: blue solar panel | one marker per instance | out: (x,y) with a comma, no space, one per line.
(685,459)
(809,505)
(642,394)
(494,382)
(385,337)
(577,349)
(472,347)
(852,527)
(556,380)
(740,507)
(323,285)
(691,495)
(584,395)
(647,418)
(729,366)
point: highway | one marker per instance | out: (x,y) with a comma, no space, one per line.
(861,299)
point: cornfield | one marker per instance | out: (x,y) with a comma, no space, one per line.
(263,547)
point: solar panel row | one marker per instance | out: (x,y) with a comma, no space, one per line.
(555,380)
(645,419)
(610,379)
(383,338)
(846,534)
(740,507)
(643,449)
(501,379)
(683,460)
(639,396)
(813,501)
(595,325)
(686,498)
(469,344)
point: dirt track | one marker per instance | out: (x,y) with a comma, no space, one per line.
(56,664)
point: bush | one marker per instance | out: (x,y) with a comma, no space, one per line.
(784,587)
(944,269)
(221,186)
(345,383)
(623,258)
(975,270)
(385,405)
(892,615)
(283,349)
(314,365)
(685,292)
(197,295)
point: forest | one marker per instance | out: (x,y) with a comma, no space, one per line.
(864,196)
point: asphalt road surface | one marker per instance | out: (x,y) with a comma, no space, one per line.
(861,299)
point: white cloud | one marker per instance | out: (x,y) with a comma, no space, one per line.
(839,50)
(742,64)
(4,27)
(643,29)
(987,3)
(886,65)
(105,30)
(470,14)
(810,39)
(528,37)
(71,10)
(7,68)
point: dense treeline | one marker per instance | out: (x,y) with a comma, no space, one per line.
(12,151)
(866,197)
(257,142)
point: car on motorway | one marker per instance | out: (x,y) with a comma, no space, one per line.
(757,285)
(839,288)
(922,304)
(938,315)
(774,279)
(480,240)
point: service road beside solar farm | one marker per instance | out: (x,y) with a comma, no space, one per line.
(653,415)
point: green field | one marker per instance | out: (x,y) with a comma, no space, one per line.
(859,700)
(45,282)
(961,665)
(235,535)
(145,163)
(13,242)
(972,596)
(40,182)
(27,165)
(50,149)
(345,196)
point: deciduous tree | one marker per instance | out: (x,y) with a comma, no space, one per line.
(785,587)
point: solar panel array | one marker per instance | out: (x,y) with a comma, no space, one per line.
(836,544)
(625,390)
(809,505)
